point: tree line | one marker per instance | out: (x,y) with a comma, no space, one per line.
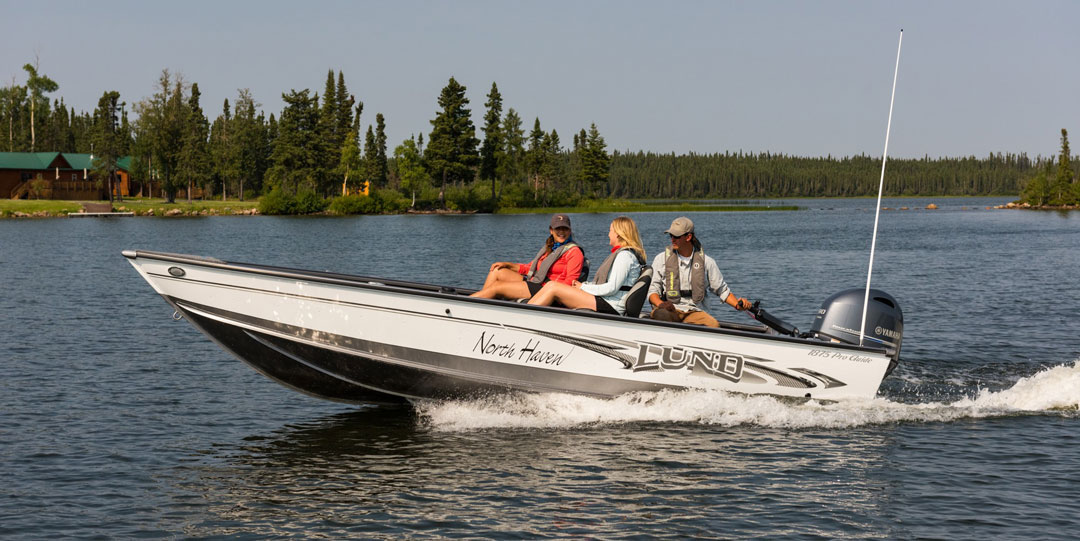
(765,175)
(317,149)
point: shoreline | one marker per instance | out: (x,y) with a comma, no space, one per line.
(38,208)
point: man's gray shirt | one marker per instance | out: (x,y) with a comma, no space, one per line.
(713,278)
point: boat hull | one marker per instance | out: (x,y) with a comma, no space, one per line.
(362,340)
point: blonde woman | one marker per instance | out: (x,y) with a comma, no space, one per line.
(607,293)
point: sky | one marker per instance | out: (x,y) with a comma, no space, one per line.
(792,77)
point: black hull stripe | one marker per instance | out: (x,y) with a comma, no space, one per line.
(284,370)
(339,355)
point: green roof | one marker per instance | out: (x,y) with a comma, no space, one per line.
(26,160)
(79,161)
(40,161)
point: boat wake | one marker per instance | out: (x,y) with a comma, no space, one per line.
(1055,389)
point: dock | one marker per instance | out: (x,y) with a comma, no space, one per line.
(99,214)
(98,210)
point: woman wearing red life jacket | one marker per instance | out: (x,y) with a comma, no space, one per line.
(560,260)
(614,278)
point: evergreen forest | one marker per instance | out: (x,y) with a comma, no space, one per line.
(323,151)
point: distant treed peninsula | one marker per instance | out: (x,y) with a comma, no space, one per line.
(321,152)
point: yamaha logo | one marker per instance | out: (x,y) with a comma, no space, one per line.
(887,332)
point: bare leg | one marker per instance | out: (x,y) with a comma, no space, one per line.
(501,275)
(497,277)
(570,297)
(504,290)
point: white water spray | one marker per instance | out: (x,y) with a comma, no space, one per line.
(1055,389)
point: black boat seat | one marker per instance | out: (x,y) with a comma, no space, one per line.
(638,293)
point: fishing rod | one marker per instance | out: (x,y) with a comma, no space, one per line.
(881,185)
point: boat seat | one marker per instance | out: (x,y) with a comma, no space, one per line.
(638,292)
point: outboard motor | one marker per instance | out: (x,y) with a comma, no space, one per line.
(840,317)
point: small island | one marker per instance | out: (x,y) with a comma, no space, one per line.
(1054,186)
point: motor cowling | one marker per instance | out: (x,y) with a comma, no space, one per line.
(840,317)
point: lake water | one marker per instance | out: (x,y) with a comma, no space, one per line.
(118,422)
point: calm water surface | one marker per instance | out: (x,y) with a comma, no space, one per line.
(117,422)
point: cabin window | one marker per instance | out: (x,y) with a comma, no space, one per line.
(74,176)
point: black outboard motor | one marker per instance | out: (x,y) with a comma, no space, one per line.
(840,317)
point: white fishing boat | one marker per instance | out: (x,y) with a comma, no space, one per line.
(359,339)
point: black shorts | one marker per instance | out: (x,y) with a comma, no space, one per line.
(602,307)
(534,288)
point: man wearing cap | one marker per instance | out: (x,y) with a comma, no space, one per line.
(681,275)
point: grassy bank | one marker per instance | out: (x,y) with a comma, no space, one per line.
(43,208)
(10,208)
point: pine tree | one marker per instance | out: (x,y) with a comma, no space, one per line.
(194,162)
(251,148)
(595,162)
(330,138)
(125,134)
(61,122)
(271,130)
(1062,191)
(451,152)
(381,170)
(371,159)
(345,103)
(552,168)
(1037,190)
(534,156)
(296,146)
(492,149)
(107,140)
(574,162)
(512,162)
(224,149)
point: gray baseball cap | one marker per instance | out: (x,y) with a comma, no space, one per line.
(560,220)
(681,226)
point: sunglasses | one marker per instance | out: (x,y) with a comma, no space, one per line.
(673,237)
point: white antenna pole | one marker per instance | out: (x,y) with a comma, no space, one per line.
(881,185)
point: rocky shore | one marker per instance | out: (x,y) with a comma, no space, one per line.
(1015,205)
(161,211)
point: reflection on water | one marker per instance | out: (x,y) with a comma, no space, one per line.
(381,472)
(684,463)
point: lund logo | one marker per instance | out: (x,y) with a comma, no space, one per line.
(724,365)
